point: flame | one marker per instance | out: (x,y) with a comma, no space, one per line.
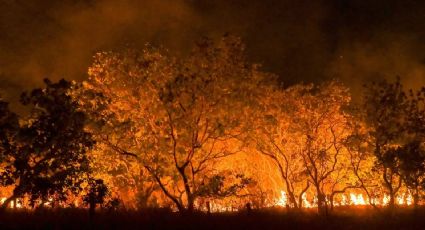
(305,203)
(344,200)
(282,201)
(409,199)
(357,199)
(400,199)
(354,199)
(385,200)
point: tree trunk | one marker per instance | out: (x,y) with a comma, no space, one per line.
(300,198)
(293,200)
(391,203)
(208,207)
(321,206)
(388,184)
(92,209)
(416,199)
(189,195)
(190,204)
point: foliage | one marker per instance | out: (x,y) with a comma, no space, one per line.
(209,129)
(97,192)
(8,130)
(396,121)
(304,129)
(50,159)
(178,117)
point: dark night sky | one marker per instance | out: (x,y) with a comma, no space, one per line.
(301,40)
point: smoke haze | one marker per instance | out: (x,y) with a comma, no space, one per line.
(301,40)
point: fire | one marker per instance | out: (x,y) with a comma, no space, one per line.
(283,200)
(409,199)
(13,204)
(355,199)
(2,200)
(306,203)
(344,200)
(386,199)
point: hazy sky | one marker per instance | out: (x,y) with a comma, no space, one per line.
(301,40)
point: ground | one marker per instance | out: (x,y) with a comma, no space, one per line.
(342,218)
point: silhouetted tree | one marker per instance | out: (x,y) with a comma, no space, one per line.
(97,192)
(387,114)
(412,167)
(50,159)
(8,129)
(412,153)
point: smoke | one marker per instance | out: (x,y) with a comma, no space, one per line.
(57,39)
(386,58)
(301,40)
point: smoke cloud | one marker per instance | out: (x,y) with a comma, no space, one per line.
(302,41)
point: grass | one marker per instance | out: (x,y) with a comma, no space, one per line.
(341,218)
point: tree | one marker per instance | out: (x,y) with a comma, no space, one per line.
(319,127)
(50,158)
(97,192)
(412,167)
(177,117)
(303,130)
(271,136)
(412,153)
(385,107)
(9,126)
(362,160)
(125,177)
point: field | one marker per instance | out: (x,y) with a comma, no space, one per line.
(342,218)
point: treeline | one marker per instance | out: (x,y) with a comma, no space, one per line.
(210,131)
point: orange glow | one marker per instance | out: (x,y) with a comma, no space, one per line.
(350,199)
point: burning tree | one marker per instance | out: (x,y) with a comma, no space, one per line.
(179,118)
(126,178)
(362,160)
(271,137)
(304,131)
(320,125)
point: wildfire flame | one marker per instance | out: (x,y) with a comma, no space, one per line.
(355,199)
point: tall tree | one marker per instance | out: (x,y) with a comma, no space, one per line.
(179,117)
(50,158)
(385,107)
(9,126)
(321,128)
(272,138)
(412,152)
(304,130)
